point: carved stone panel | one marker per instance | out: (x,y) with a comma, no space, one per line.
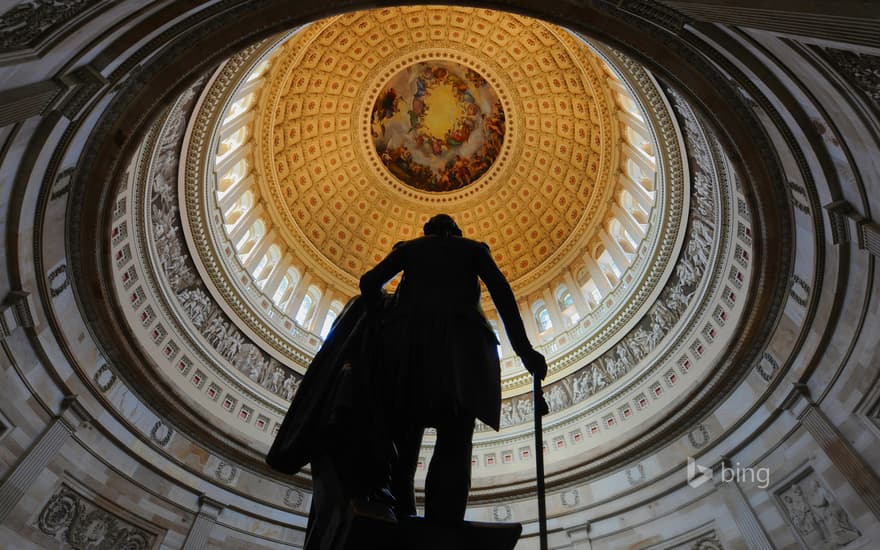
(74,520)
(813,513)
(27,24)
(861,70)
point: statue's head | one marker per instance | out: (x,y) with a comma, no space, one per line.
(442,225)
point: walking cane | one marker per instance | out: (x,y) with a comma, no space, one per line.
(540,410)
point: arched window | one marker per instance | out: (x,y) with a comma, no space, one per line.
(233,176)
(231,142)
(639,141)
(285,287)
(328,323)
(239,208)
(627,104)
(591,292)
(264,268)
(305,308)
(258,71)
(542,317)
(609,266)
(618,233)
(332,313)
(566,305)
(240,106)
(563,298)
(251,237)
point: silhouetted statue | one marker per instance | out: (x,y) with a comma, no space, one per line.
(438,358)
(336,423)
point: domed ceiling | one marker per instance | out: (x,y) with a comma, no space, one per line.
(304,158)
(371,122)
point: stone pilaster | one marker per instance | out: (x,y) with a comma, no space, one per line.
(200,530)
(16,311)
(41,453)
(746,521)
(847,461)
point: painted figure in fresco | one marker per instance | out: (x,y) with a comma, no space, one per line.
(429,155)
(438,358)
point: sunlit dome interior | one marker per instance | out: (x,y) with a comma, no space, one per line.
(310,154)
(682,195)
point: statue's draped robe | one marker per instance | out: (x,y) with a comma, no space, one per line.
(335,423)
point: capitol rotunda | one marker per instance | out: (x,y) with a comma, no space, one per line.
(681,194)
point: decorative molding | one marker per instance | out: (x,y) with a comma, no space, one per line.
(699,436)
(848,462)
(571,498)
(30,28)
(104,377)
(75,520)
(32,464)
(83,85)
(294,498)
(200,530)
(860,70)
(636,475)
(55,289)
(161,433)
(811,510)
(744,515)
(15,312)
(22,103)
(502,512)
(845,222)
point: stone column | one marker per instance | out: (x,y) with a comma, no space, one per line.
(629,222)
(200,530)
(225,165)
(321,309)
(580,303)
(639,194)
(846,22)
(613,247)
(749,526)
(598,275)
(20,104)
(244,223)
(15,312)
(235,191)
(844,457)
(555,313)
(580,538)
(41,453)
(259,251)
(278,273)
(298,294)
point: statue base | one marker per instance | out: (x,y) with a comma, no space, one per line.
(417,533)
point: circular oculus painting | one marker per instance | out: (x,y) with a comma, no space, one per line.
(437,126)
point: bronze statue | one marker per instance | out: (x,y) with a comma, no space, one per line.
(437,359)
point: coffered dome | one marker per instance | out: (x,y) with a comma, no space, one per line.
(307,156)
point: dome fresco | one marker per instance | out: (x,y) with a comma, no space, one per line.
(438,126)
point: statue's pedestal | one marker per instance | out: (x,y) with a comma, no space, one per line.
(416,533)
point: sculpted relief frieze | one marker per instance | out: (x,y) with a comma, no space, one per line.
(175,265)
(693,266)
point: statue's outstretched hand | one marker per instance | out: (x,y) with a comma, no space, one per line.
(535,363)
